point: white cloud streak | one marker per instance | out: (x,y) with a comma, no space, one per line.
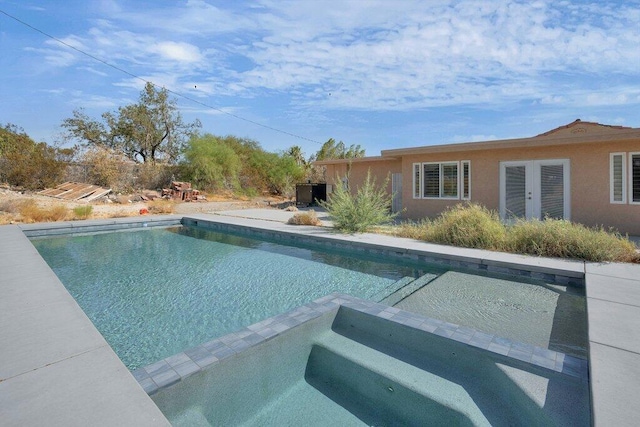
(378,55)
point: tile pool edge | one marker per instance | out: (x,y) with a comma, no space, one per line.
(178,367)
(561,272)
(50,229)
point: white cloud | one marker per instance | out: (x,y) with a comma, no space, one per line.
(176,51)
(375,55)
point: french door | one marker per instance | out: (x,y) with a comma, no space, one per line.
(535,189)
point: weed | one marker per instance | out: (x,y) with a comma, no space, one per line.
(31,212)
(305,218)
(469,226)
(162,206)
(474,226)
(82,212)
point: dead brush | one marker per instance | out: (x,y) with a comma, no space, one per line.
(305,218)
(162,206)
(31,212)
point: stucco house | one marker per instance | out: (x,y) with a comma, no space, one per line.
(584,172)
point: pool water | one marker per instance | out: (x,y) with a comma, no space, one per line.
(153,293)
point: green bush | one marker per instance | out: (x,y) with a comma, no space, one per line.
(468,226)
(29,164)
(370,206)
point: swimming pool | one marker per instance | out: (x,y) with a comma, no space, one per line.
(155,292)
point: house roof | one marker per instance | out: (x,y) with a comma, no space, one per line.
(577,132)
(356,160)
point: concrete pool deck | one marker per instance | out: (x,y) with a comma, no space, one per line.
(50,349)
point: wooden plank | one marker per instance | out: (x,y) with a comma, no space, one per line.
(98,194)
(74,191)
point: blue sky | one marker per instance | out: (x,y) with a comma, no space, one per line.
(382,74)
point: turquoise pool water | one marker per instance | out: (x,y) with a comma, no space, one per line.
(155,292)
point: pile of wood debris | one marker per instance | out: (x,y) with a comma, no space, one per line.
(76,191)
(182,191)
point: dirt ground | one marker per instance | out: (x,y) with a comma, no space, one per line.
(124,205)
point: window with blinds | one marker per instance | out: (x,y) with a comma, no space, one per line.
(635,177)
(466,180)
(515,192)
(442,180)
(431,180)
(617,171)
(417,186)
(552,191)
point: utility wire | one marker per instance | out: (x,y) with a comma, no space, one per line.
(115,67)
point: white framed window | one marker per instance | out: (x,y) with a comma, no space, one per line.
(417,183)
(442,180)
(634,178)
(617,178)
(465,180)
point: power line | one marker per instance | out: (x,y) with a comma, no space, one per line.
(115,67)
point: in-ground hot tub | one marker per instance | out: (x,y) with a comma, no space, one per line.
(361,363)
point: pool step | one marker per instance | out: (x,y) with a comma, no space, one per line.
(383,390)
(389,290)
(438,370)
(411,287)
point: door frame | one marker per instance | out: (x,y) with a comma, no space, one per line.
(533,183)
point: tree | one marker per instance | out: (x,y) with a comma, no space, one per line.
(296,153)
(149,131)
(240,165)
(331,150)
(29,164)
(212,164)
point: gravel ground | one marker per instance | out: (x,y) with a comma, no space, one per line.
(10,200)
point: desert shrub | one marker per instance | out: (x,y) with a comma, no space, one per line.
(474,226)
(29,164)
(82,212)
(564,239)
(162,206)
(154,175)
(359,212)
(31,212)
(305,218)
(468,226)
(107,169)
(11,206)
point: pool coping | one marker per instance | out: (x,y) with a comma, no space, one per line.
(613,315)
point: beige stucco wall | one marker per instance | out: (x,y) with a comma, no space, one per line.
(589,182)
(358,172)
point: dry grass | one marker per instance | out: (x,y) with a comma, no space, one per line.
(31,212)
(473,226)
(305,218)
(162,206)
(564,239)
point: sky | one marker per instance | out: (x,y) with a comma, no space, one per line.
(379,73)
